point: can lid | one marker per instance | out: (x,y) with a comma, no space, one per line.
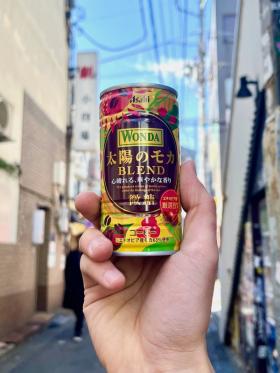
(139,85)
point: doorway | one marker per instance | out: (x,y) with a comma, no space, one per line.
(42,265)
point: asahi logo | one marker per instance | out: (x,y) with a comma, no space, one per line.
(141,99)
(140,137)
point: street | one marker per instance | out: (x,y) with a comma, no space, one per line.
(53,351)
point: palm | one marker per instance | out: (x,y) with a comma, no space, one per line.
(165,301)
(123,313)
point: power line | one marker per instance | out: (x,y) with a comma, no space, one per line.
(107,48)
(79,13)
(125,74)
(143,50)
(172,29)
(128,12)
(184,47)
(164,37)
(185,10)
(155,40)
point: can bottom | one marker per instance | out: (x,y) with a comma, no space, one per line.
(144,253)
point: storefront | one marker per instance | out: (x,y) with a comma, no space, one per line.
(252,327)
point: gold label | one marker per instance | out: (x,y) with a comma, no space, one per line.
(140,137)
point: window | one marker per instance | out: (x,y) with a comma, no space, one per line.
(228,28)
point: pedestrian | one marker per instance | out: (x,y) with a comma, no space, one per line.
(152,314)
(74,288)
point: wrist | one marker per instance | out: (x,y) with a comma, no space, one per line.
(169,362)
(184,362)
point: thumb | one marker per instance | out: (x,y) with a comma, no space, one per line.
(192,191)
(200,222)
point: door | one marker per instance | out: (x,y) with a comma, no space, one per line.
(42,266)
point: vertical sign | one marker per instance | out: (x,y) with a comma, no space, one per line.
(38,226)
(259,296)
(267,48)
(85,123)
(275,7)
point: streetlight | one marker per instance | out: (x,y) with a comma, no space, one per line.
(244,91)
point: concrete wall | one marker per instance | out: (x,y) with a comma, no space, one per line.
(220,69)
(225,20)
(248,61)
(33,75)
(33,60)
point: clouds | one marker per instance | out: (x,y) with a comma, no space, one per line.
(179,68)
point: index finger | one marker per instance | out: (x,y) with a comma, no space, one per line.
(88,204)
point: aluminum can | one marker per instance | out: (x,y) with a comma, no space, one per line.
(140,156)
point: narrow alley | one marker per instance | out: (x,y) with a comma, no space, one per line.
(54,351)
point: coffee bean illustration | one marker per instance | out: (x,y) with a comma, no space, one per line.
(107,220)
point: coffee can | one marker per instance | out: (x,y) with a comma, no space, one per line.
(140,159)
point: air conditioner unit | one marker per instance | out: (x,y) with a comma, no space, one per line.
(5,122)
(59,173)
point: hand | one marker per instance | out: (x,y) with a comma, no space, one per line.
(151,314)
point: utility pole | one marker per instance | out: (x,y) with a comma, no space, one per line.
(202,136)
(69,130)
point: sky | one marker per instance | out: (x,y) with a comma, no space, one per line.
(145,41)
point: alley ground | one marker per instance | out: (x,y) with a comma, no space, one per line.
(53,351)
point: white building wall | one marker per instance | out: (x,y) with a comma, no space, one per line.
(33,60)
(248,61)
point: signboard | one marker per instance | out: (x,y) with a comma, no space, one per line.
(85,121)
(275,7)
(52,254)
(267,57)
(38,226)
(267,49)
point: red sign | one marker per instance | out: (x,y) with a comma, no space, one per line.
(86,72)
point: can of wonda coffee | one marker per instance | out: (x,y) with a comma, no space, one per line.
(140,156)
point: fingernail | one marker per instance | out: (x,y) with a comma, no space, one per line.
(110,277)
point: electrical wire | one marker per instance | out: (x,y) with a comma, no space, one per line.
(142,50)
(184,50)
(164,37)
(79,13)
(127,13)
(161,15)
(185,10)
(155,40)
(107,48)
(170,8)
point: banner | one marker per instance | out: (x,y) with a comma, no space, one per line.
(85,121)
(275,18)
(267,48)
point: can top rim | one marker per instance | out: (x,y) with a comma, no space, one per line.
(139,85)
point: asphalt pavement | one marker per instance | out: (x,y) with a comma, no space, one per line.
(53,351)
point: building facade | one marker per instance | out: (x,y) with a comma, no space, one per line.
(219,82)
(222,31)
(33,70)
(249,265)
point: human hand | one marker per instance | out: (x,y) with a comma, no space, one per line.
(151,314)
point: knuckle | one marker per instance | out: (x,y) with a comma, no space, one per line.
(82,241)
(199,254)
(87,236)
(106,242)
